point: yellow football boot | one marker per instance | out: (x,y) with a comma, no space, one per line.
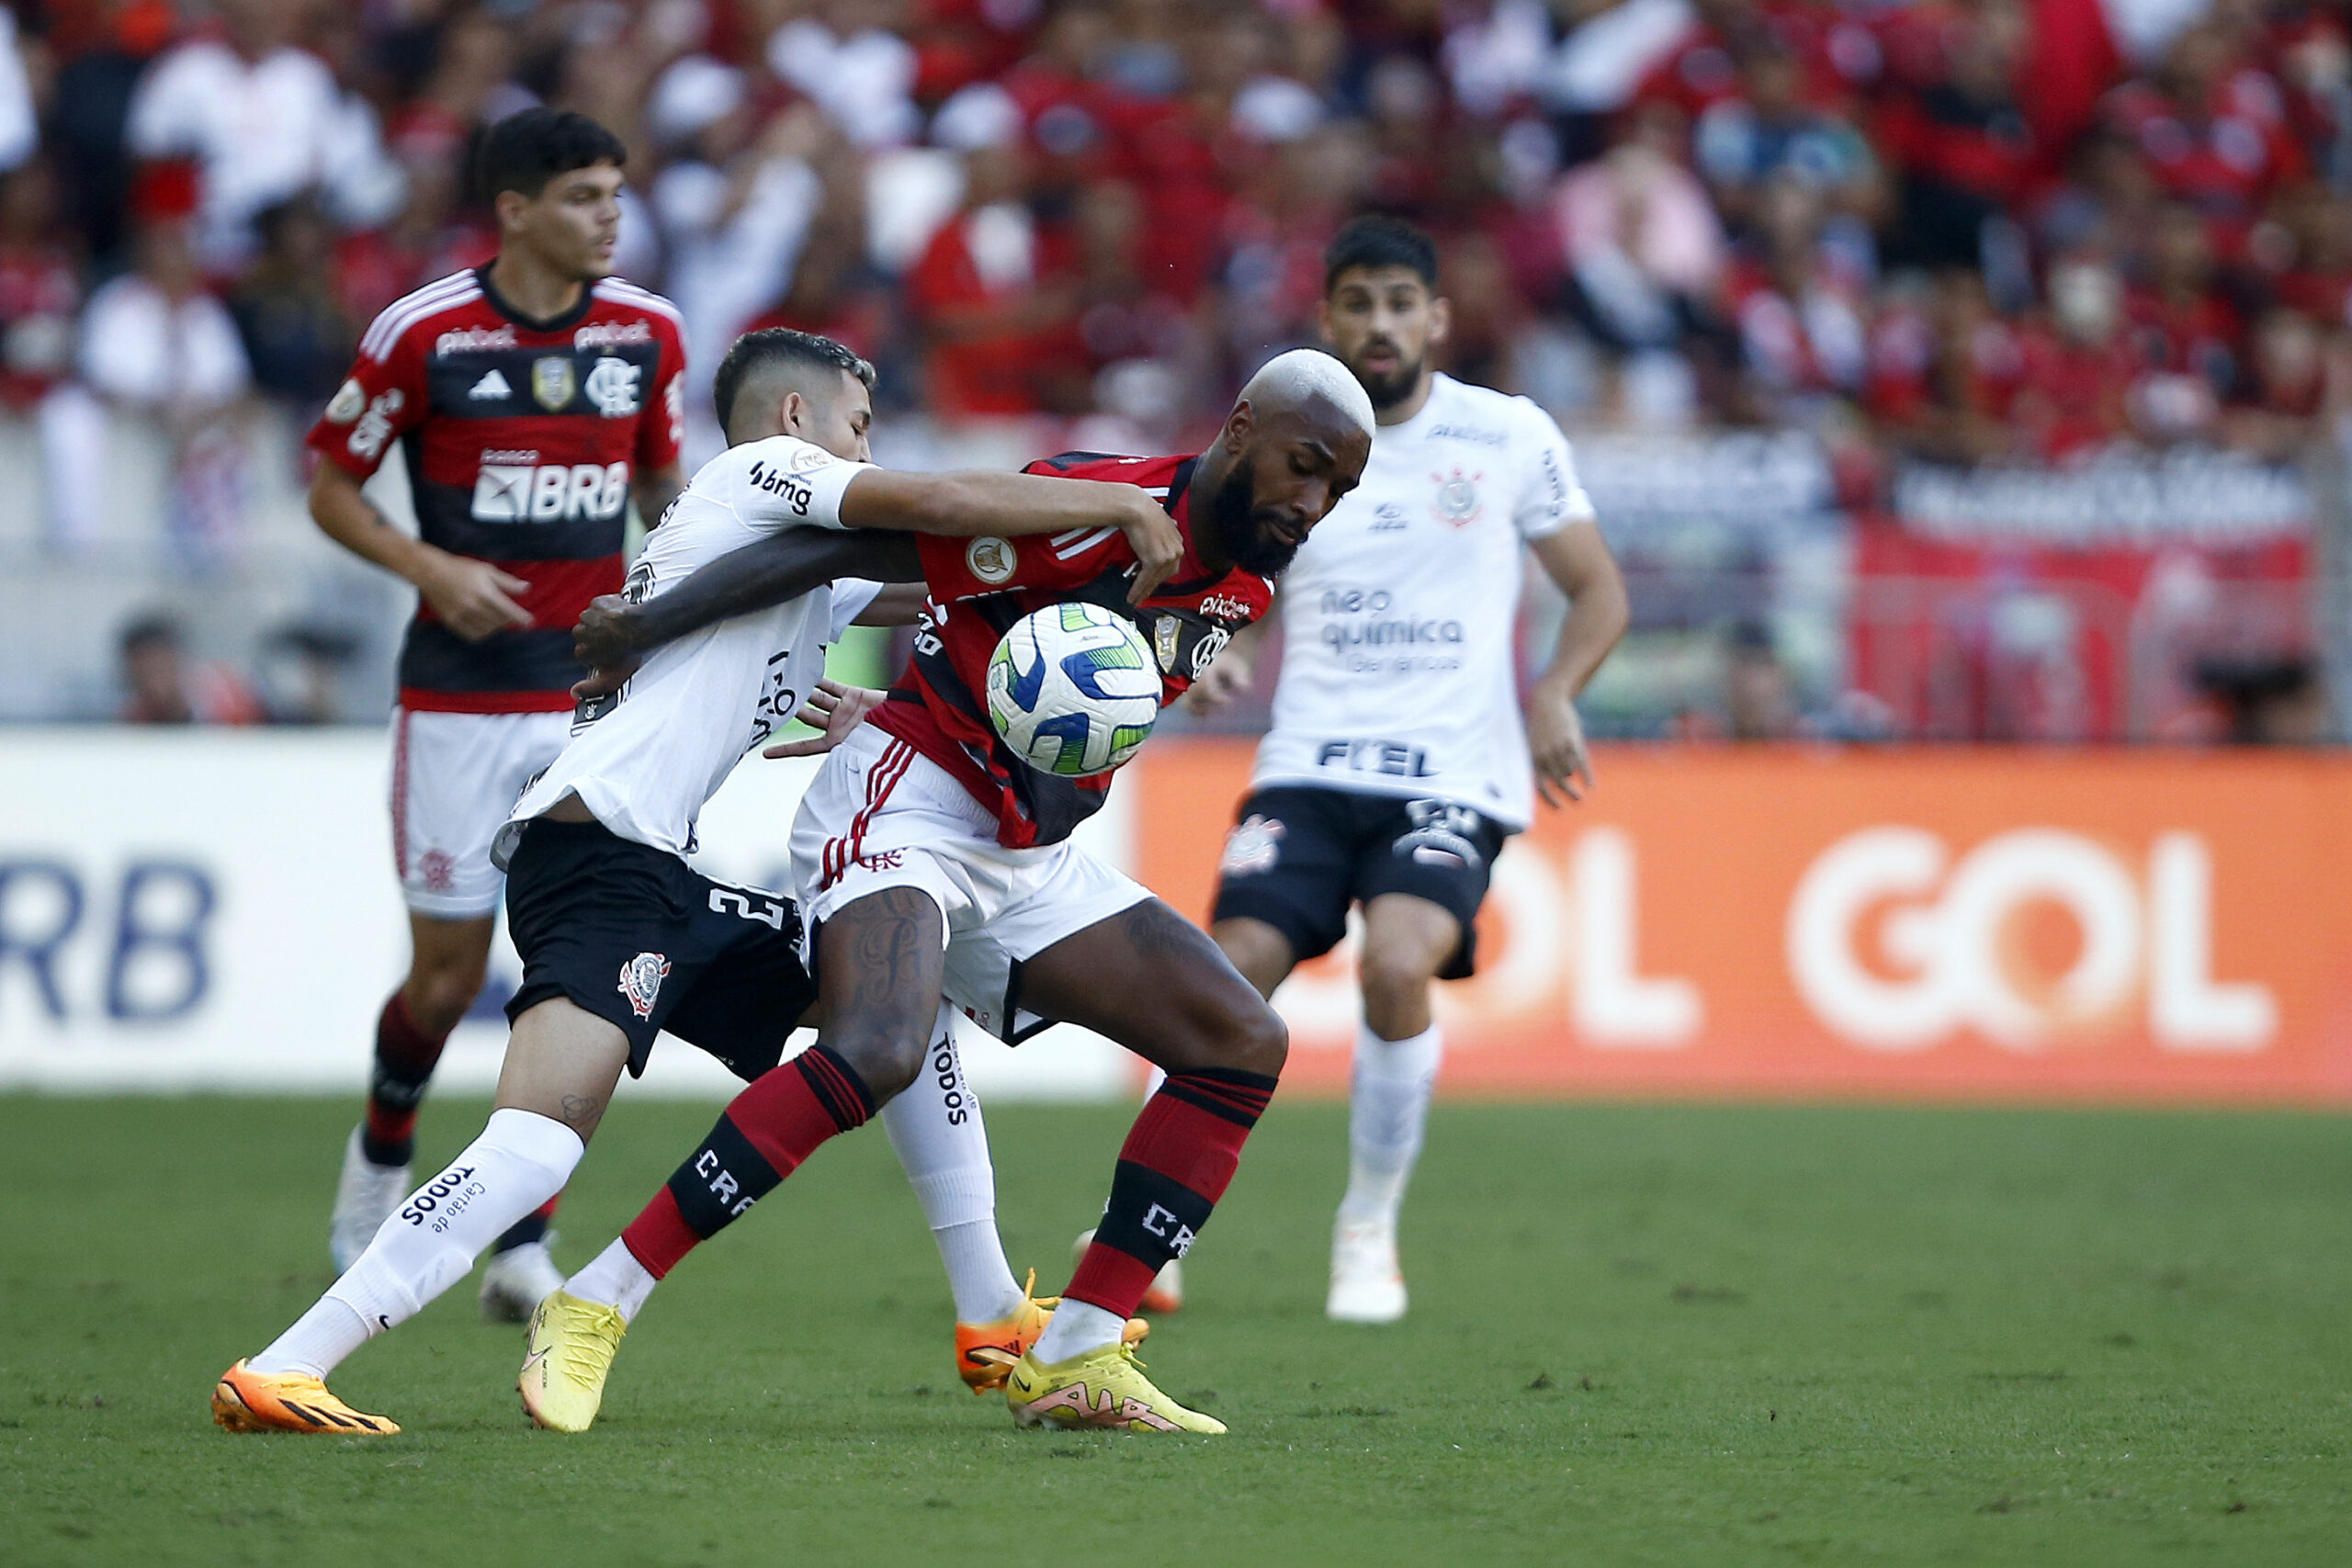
(1103,1388)
(246,1401)
(985,1352)
(568,1358)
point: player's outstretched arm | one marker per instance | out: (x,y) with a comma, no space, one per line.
(474,598)
(978,502)
(612,634)
(1577,559)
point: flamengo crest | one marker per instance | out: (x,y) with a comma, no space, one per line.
(611,387)
(641,981)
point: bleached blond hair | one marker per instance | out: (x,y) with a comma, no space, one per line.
(1294,379)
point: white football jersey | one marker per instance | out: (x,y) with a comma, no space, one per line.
(645,762)
(1397,615)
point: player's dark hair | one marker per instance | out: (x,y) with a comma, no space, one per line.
(1378,242)
(778,345)
(528,149)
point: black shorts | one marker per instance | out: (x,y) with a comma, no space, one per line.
(1300,856)
(638,937)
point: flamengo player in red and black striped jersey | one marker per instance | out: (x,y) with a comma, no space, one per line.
(531,400)
(929,862)
(979,589)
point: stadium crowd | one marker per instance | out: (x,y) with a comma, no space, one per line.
(1964,231)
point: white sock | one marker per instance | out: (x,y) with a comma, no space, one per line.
(521,1160)
(935,1126)
(616,1279)
(1077,1327)
(1389,1104)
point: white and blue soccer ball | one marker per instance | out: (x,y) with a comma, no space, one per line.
(1073,689)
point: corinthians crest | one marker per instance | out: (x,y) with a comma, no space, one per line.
(641,981)
(553,381)
(1457,498)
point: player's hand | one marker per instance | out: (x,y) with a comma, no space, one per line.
(604,679)
(834,708)
(472,597)
(1222,682)
(1157,544)
(1555,736)
(605,635)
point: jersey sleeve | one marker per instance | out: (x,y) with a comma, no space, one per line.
(851,596)
(785,482)
(384,397)
(971,568)
(662,427)
(1550,497)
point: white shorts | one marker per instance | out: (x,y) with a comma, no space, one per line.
(456,777)
(881,815)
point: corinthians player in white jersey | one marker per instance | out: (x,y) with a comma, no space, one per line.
(620,938)
(1398,760)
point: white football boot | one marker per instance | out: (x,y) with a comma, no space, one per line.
(1167,1291)
(516,1280)
(1366,1285)
(364,1196)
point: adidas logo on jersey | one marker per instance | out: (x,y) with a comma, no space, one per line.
(491,385)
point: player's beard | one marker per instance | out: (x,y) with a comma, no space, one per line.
(1248,543)
(1387,390)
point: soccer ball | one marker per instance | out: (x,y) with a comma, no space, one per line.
(1073,689)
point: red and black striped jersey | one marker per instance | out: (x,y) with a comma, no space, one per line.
(522,439)
(979,587)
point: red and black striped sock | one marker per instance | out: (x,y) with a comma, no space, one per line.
(405,1055)
(531,1227)
(761,1137)
(1173,1169)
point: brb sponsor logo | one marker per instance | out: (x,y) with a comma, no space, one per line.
(548,492)
(150,929)
(2029,939)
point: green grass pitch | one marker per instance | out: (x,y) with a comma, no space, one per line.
(1641,1335)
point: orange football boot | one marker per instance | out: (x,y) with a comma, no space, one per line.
(986,1353)
(246,1401)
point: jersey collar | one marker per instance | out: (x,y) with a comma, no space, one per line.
(555,324)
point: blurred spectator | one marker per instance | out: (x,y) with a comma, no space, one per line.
(298,339)
(40,293)
(1944,369)
(39,298)
(156,342)
(735,206)
(1799,312)
(89,110)
(1646,259)
(2212,127)
(2186,335)
(261,119)
(19,128)
(1765,130)
(2076,372)
(165,686)
(302,673)
(1758,703)
(848,57)
(1962,142)
(2267,699)
(984,293)
(2295,380)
